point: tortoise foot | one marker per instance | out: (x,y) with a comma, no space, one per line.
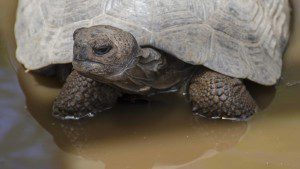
(217,96)
(83,97)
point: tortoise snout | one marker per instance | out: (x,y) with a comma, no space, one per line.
(80,53)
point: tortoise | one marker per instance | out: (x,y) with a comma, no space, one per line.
(138,47)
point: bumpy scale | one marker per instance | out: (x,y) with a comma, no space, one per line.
(81,97)
(214,95)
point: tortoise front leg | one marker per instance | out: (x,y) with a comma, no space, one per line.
(82,97)
(214,95)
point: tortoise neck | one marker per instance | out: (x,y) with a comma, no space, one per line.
(138,78)
(153,72)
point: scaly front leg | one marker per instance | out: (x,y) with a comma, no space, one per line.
(214,95)
(83,97)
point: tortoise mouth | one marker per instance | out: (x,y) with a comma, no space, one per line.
(89,67)
(102,72)
(84,65)
(78,60)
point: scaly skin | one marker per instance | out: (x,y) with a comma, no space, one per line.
(81,97)
(214,95)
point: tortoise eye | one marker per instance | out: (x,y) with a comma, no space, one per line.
(102,50)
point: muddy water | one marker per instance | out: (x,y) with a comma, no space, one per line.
(158,135)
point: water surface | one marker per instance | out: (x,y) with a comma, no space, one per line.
(158,135)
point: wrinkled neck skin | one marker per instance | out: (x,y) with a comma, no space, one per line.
(151,73)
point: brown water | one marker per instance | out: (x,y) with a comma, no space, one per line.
(158,135)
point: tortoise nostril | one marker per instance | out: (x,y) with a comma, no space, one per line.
(76,45)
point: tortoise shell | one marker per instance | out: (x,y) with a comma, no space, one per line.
(239,38)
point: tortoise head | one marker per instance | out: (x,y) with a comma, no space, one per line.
(104,53)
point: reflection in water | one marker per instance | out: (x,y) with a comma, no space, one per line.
(18,137)
(137,136)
